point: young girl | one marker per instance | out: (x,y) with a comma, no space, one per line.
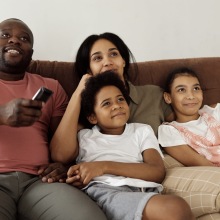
(120,164)
(194,138)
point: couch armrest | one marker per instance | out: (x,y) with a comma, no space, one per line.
(199,186)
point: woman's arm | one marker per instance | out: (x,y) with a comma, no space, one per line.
(64,144)
(187,156)
(152,169)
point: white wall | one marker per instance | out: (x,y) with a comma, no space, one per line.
(153,29)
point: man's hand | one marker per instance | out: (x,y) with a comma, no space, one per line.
(54,172)
(20,112)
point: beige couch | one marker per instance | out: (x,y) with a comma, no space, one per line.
(199,186)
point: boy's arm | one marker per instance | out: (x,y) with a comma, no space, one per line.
(152,169)
(187,156)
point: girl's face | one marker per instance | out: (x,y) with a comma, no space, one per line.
(111,111)
(185,97)
(105,56)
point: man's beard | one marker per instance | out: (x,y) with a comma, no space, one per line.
(14,67)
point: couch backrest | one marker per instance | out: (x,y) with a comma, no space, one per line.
(150,72)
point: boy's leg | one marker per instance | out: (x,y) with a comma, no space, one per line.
(57,201)
(167,207)
(123,202)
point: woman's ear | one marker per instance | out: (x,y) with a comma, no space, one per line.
(167,97)
(92,119)
(89,71)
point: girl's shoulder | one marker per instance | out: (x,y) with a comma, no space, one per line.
(210,108)
(167,135)
(167,127)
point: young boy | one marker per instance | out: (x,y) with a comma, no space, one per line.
(121,164)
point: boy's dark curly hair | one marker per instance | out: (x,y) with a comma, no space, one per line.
(93,86)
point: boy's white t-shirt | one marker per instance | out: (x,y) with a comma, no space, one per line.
(127,147)
(169,136)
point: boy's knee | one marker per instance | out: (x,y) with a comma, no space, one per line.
(179,209)
(171,207)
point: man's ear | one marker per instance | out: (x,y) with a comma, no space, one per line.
(167,97)
(92,119)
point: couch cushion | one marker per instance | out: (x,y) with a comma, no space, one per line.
(215,216)
(150,72)
(61,71)
(170,162)
(199,186)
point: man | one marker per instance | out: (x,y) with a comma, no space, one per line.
(24,151)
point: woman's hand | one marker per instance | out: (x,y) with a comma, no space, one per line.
(82,83)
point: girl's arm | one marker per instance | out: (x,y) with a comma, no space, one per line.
(64,144)
(152,169)
(187,156)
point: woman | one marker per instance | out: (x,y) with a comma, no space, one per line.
(99,53)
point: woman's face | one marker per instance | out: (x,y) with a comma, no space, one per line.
(104,56)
